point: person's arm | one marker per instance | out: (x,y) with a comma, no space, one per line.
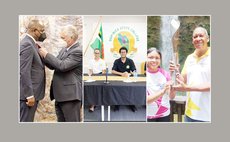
(26,58)
(182,83)
(204,87)
(124,74)
(153,98)
(44,52)
(133,67)
(157,95)
(73,60)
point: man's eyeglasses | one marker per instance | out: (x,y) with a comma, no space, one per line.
(96,53)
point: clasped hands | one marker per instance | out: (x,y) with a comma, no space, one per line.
(180,86)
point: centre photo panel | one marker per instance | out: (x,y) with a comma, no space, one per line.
(114,51)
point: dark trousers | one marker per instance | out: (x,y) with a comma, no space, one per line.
(162,119)
(26,112)
(68,111)
(188,119)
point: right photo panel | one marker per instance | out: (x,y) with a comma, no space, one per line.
(178,69)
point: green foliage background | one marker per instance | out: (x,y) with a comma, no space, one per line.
(187,25)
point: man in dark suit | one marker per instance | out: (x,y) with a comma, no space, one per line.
(66,87)
(32,71)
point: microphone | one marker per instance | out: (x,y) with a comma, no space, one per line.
(106,75)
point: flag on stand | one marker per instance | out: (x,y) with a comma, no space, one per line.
(98,42)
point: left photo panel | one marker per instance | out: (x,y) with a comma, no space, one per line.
(50,68)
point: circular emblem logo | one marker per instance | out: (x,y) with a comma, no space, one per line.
(123,39)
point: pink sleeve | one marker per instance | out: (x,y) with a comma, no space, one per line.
(166,74)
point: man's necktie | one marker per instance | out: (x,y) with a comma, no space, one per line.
(38,46)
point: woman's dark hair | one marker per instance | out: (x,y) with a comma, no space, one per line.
(123,48)
(150,50)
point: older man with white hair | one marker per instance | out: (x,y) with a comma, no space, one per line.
(195,79)
(66,87)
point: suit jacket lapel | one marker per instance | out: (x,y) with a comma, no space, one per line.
(36,51)
(37,54)
(62,54)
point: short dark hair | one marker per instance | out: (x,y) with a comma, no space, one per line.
(123,48)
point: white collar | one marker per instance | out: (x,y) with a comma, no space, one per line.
(31,37)
(71,45)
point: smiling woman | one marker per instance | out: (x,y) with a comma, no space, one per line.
(153,59)
(158,88)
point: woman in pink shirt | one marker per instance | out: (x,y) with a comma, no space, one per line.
(158,88)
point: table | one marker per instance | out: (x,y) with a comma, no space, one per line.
(116,92)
